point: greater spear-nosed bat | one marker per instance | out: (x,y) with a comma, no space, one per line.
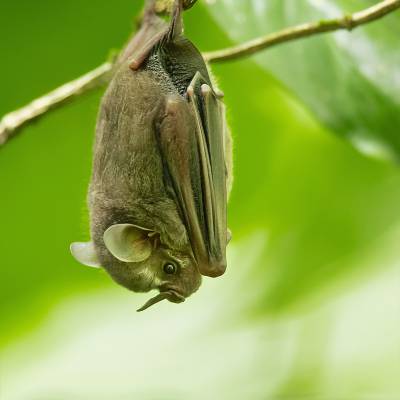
(161,168)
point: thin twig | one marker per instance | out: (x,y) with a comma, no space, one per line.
(347,22)
(11,123)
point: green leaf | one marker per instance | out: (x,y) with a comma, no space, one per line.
(350,81)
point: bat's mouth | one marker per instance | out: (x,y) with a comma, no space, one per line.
(169,294)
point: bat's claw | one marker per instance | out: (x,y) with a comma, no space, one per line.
(206,90)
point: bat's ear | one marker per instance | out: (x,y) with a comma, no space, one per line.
(85,254)
(129,243)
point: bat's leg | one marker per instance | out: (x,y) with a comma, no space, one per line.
(154,31)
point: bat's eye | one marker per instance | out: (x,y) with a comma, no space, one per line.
(170,268)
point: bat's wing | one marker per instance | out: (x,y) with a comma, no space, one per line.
(192,146)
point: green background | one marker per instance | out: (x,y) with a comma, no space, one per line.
(309,307)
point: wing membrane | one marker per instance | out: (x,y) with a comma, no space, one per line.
(192,145)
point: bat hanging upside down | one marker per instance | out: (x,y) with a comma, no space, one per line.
(161,169)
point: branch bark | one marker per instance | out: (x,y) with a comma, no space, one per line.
(347,22)
(11,123)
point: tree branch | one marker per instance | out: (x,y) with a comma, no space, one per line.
(347,22)
(11,123)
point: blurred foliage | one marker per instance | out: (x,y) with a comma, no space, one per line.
(309,306)
(350,81)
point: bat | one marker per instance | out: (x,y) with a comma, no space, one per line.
(161,167)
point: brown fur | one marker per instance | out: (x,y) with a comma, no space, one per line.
(129,183)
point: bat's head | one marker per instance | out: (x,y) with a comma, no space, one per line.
(136,258)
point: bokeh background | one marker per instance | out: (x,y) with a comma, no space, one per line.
(310,305)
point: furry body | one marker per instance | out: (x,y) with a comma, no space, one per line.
(161,169)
